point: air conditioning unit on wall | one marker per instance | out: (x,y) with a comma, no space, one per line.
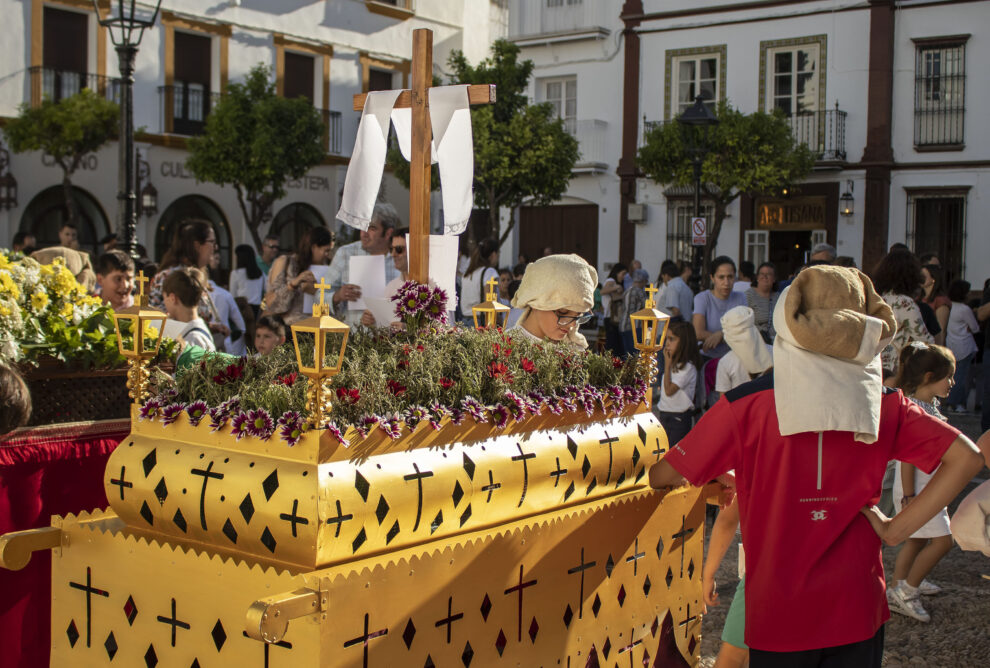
(637,213)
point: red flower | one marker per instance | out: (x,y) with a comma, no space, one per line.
(528,366)
(219,379)
(350,396)
(287,380)
(497,349)
(395,387)
(616,363)
(420,347)
(446,383)
(234,371)
(404,364)
(499,370)
(507,352)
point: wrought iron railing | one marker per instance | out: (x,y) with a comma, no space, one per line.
(940,96)
(332,130)
(55,85)
(824,132)
(184,108)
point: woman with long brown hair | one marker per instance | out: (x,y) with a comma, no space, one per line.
(193,245)
(291,276)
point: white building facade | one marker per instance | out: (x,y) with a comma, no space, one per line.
(324,51)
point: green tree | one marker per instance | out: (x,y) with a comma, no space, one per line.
(747,153)
(66,130)
(257,142)
(522,152)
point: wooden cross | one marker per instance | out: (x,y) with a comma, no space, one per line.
(422,134)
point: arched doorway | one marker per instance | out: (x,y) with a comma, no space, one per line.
(292,222)
(194,206)
(44,215)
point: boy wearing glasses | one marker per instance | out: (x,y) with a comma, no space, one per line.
(556,295)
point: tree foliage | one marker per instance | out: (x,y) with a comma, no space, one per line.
(257,142)
(66,130)
(755,154)
(522,152)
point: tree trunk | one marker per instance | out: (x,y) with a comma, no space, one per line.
(70,201)
(508,228)
(493,211)
(252,219)
(712,242)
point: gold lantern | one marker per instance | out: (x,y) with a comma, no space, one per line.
(329,342)
(142,324)
(649,329)
(491,312)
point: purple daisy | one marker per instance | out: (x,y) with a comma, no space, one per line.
(414,415)
(172,412)
(289,417)
(196,411)
(292,431)
(475,409)
(457,416)
(617,397)
(239,426)
(392,426)
(260,424)
(336,432)
(149,410)
(500,416)
(555,405)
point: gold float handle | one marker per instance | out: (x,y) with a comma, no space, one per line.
(268,619)
(16,547)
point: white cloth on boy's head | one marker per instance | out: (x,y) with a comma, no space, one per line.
(558,283)
(364,172)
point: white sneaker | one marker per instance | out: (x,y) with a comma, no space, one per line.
(909,605)
(927,588)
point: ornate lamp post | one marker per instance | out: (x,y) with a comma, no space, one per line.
(491,312)
(649,328)
(126,24)
(697,119)
(148,205)
(139,339)
(329,342)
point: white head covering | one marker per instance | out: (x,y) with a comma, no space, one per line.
(556,283)
(739,330)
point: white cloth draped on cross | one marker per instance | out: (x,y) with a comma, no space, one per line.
(452,148)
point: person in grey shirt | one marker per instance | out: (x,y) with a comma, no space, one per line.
(678,300)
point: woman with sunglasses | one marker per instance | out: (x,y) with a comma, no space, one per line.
(556,294)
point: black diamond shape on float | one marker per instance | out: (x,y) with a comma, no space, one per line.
(569,491)
(596,605)
(458,493)
(392,533)
(73,633)
(194,664)
(359,540)
(622,595)
(247,508)
(646,586)
(146,513)
(130,610)
(150,461)
(437,521)
(111,646)
(466,515)
(179,520)
(640,473)
(659,547)
(609,566)
(635,456)
(568,616)
(409,634)
(486,607)
(382,510)
(362,485)
(150,658)
(219,635)
(690,569)
(501,642)
(669,577)
(161,491)
(585,467)
(622,479)
(270,484)
(268,540)
(591,485)
(468,466)
(656,625)
(429,662)
(642,434)
(468,655)
(607,647)
(534,629)
(229,531)
(572,447)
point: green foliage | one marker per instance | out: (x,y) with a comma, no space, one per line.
(257,142)
(753,153)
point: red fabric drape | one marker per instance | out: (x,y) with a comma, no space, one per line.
(45,471)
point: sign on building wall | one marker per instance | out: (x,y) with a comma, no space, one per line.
(794,213)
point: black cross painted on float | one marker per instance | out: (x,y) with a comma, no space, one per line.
(295,519)
(450,618)
(268,646)
(630,647)
(658,451)
(207,474)
(687,620)
(581,568)
(121,482)
(609,440)
(637,555)
(522,457)
(174,622)
(519,588)
(339,519)
(418,477)
(365,638)
(90,590)
(559,472)
(491,486)
(682,534)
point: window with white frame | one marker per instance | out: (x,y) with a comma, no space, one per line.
(679,215)
(940,91)
(756,246)
(794,75)
(561,93)
(694,76)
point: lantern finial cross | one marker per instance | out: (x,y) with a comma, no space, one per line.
(491,295)
(141,280)
(320,308)
(650,291)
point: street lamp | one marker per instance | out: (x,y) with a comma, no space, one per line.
(697,119)
(148,205)
(8,184)
(847,204)
(126,26)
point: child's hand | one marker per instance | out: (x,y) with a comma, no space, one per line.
(708,593)
(879,522)
(668,354)
(728,481)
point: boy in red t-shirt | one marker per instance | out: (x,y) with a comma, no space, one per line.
(809,446)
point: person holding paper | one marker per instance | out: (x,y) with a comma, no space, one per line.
(374,241)
(293,276)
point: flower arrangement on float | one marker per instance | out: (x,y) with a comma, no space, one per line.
(391,381)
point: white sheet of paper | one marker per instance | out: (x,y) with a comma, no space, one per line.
(383,309)
(367,272)
(443,265)
(319,271)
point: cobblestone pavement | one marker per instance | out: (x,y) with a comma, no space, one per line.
(958,635)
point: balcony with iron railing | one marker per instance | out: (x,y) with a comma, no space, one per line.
(332,130)
(592,143)
(184,108)
(540,21)
(55,85)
